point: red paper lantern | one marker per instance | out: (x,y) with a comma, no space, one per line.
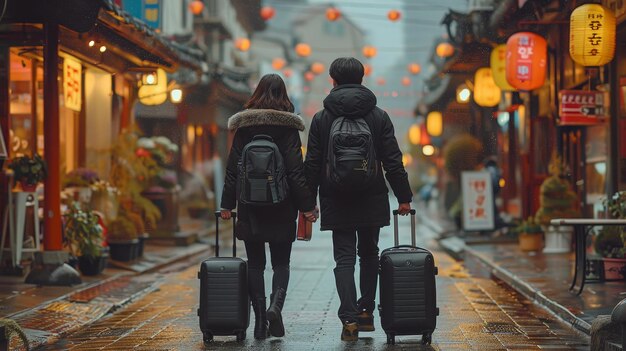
(317,68)
(332,14)
(381,81)
(394,15)
(368,69)
(196,7)
(267,12)
(414,68)
(369,51)
(406,81)
(526,56)
(288,72)
(309,76)
(278,63)
(303,50)
(242,44)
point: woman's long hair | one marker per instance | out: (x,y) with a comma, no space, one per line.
(271,93)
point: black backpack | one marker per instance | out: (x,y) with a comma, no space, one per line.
(261,175)
(352,164)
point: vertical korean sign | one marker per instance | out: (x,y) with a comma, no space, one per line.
(477,194)
(72,84)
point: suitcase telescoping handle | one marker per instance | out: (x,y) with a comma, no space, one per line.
(395,227)
(218,216)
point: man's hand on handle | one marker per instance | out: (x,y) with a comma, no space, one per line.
(226,214)
(404,208)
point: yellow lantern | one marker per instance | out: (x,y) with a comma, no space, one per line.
(154,94)
(242,44)
(434,123)
(498,67)
(278,63)
(415,134)
(592,35)
(444,49)
(303,50)
(486,92)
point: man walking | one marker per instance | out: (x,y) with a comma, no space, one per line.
(348,141)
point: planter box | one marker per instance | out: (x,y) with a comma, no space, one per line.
(124,251)
(89,265)
(167,201)
(142,243)
(614,269)
(530,242)
(558,239)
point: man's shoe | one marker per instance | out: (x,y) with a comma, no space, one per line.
(366,321)
(350,332)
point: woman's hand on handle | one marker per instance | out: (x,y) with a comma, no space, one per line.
(226,214)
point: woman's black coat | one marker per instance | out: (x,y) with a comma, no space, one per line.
(268,223)
(369,208)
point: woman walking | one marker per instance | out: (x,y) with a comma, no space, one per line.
(269,112)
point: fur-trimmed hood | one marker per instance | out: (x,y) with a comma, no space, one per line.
(265,117)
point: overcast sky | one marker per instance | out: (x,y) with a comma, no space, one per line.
(420,21)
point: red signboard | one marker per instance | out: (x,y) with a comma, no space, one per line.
(578,107)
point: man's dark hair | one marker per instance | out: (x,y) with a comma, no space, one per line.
(347,70)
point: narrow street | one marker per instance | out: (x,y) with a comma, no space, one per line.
(476,314)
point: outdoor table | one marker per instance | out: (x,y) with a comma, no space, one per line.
(582,227)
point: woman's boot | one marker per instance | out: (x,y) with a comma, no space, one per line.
(260,321)
(274,315)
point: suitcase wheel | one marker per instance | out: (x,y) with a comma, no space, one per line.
(427,338)
(207,337)
(241,336)
(391,339)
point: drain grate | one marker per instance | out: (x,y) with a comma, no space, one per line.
(501,328)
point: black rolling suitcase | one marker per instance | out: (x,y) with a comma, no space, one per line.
(224,300)
(408,297)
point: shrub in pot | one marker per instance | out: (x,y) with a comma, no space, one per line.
(557,200)
(83,236)
(123,239)
(530,235)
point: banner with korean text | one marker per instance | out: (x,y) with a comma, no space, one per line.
(477,192)
(72,83)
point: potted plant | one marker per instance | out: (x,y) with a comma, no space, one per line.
(611,240)
(28,171)
(83,235)
(557,200)
(530,235)
(123,239)
(79,182)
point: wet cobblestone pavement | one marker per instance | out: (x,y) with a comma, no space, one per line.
(476,314)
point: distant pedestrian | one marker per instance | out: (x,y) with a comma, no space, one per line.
(350,142)
(267,203)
